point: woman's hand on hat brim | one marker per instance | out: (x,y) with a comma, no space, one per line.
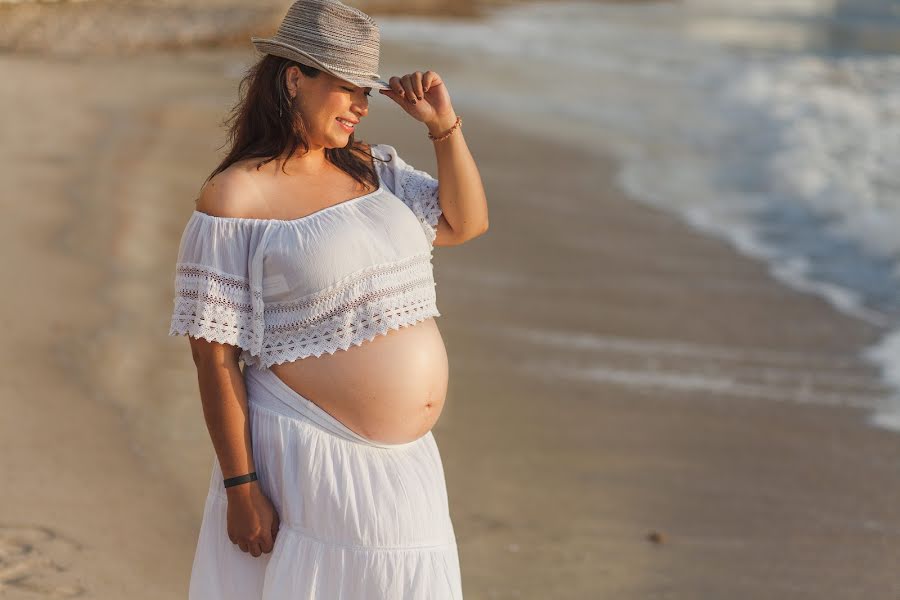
(422,95)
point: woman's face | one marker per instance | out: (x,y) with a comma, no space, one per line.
(322,101)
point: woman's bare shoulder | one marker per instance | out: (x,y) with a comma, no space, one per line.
(233,192)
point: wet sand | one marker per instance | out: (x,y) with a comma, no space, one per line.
(563,450)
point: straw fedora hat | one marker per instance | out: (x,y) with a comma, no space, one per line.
(330,36)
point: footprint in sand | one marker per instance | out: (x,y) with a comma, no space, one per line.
(34,563)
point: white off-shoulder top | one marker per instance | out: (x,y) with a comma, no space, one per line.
(283,290)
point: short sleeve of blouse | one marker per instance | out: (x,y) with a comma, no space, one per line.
(214,298)
(417,189)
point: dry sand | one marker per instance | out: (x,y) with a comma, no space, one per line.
(116,27)
(555,480)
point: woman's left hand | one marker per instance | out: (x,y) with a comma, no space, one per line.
(422,95)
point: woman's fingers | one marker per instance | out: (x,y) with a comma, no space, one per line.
(417,85)
(255,549)
(403,87)
(427,80)
(396,85)
(412,86)
(247,525)
(407,82)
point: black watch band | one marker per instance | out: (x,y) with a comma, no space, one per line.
(240,479)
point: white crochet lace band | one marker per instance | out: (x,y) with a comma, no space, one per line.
(215,306)
(423,190)
(362,306)
(368,303)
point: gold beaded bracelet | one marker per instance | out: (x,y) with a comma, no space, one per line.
(449,131)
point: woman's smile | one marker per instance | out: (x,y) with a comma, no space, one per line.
(346,125)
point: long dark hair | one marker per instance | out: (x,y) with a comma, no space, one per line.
(256,130)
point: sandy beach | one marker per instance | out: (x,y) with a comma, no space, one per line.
(574,426)
(76,28)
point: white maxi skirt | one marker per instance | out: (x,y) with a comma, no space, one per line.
(359,520)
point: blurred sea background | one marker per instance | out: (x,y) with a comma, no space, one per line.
(774,124)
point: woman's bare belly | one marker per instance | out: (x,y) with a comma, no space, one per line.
(390,389)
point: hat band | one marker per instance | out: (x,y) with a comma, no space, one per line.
(285,50)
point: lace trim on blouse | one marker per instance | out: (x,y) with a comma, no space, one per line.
(214,305)
(355,310)
(421,186)
(360,307)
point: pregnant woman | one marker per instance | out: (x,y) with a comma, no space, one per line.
(308,258)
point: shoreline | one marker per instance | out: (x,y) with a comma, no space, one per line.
(555,482)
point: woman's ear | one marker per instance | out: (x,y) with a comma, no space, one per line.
(294,78)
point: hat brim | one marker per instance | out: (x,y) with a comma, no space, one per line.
(279,48)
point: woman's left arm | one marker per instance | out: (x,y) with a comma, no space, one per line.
(463,202)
